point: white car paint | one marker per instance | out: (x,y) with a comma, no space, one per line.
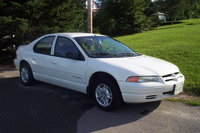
(75,74)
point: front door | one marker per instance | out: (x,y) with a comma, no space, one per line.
(70,72)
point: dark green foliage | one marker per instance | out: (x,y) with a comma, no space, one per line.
(23,21)
(194,9)
(10,30)
(178,9)
(124,17)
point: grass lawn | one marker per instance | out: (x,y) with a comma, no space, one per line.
(191,101)
(178,43)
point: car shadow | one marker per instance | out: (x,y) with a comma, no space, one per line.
(41,108)
(49,109)
(95,119)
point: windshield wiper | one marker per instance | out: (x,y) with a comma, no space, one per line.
(99,54)
(127,54)
(104,55)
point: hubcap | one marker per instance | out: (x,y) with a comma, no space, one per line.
(103,95)
(24,74)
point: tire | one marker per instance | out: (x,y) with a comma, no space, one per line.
(26,74)
(106,94)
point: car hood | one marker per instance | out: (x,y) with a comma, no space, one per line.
(142,65)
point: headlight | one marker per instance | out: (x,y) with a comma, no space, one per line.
(142,79)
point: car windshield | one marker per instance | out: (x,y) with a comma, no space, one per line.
(104,47)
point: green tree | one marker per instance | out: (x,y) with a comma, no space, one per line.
(178,9)
(123,17)
(194,11)
(22,21)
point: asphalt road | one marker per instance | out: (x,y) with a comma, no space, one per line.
(45,108)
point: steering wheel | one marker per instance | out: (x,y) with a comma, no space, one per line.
(111,47)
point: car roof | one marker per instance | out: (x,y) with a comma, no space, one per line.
(76,34)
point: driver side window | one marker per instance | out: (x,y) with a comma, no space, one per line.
(65,47)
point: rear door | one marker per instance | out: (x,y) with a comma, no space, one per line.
(41,58)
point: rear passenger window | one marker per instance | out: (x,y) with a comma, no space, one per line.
(44,45)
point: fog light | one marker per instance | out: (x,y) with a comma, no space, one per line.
(151,97)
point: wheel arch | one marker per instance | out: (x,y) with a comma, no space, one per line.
(31,79)
(23,61)
(95,76)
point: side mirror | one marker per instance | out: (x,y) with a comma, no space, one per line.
(75,56)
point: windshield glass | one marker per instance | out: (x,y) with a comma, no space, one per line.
(104,47)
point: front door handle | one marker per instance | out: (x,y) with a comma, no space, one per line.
(54,63)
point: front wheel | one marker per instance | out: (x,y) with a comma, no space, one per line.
(107,94)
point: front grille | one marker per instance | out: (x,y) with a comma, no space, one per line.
(172,76)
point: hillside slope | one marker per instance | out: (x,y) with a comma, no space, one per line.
(179,44)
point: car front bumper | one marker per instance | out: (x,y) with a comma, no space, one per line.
(150,91)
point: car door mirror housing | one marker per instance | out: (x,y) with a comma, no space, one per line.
(75,56)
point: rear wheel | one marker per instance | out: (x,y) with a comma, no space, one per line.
(107,94)
(26,74)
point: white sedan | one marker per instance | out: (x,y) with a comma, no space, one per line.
(105,69)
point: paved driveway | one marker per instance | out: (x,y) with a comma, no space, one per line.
(45,108)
